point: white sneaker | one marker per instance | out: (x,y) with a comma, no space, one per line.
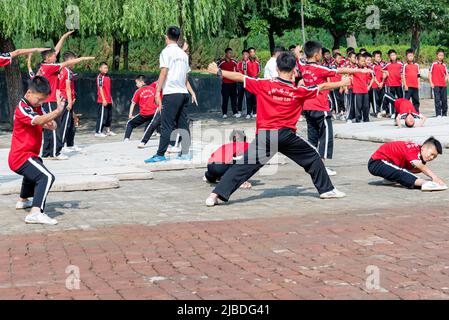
(225,116)
(211,201)
(343,118)
(158,134)
(238,115)
(111,134)
(172,149)
(141,145)
(433,186)
(254,116)
(60,157)
(126,140)
(301,119)
(331,172)
(67,150)
(248,117)
(379,115)
(349,121)
(100,135)
(334,194)
(40,218)
(76,149)
(24,205)
(392,116)
(383,113)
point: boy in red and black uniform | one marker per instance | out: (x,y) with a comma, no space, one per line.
(411,77)
(253,70)
(337,98)
(242,67)
(361,82)
(407,112)
(328,61)
(50,69)
(225,157)
(438,78)
(104,101)
(317,110)
(228,87)
(378,83)
(26,143)
(67,130)
(393,81)
(280,104)
(351,63)
(148,113)
(398,161)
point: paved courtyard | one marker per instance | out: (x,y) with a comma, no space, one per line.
(155,239)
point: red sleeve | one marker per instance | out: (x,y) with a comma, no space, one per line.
(252,85)
(5,59)
(25,115)
(51,68)
(327,72)
(307,92)
(136,97)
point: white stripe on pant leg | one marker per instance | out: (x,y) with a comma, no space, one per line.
(374,101)
(65,128)
(54,134)
(335,101)
(399,168)
(101,120)
(48,174)
(312,146)
(326,143)
(149,125)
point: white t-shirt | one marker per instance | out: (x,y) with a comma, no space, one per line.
(270,71)
(177,62)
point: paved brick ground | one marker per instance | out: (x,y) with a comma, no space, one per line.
(312,257)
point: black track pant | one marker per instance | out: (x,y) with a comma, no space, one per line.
(350,104)
(391,172)
(361,107)
(337,101)
(240,96)
(67,128)
(37,181)
(53,143)
(440,96)
(320,132)
(104,117)
(377,96)
(135,122)
(174,116)
(413,95)
(215,171)
(154,125)
(395,92)
(262,149)
(229,90)
(251,107)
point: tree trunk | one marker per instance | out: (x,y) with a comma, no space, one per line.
(351,40)
(271,40)
(116,49)
(13,76)
(126,55)
(338,37)
(302,23)
(415,44)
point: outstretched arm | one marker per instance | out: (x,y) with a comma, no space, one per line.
(426,170)
(61,41)
(72,62)
(352,71)
(346,81)
(234,76)
(21,52)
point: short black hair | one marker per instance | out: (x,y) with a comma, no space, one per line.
(350,49)
(409,50)
(325,50)
(440,50)
(362,50)
(291,47)
(251,48)
(173,33)
(367,55)
(391,51)
(277,49)
(245,50)
(335,48)
(103,63)
(407,124)
(435,143)
(311,48)
(377,52)
(45,54)
(350,54)
(286,61)
(141,77)
(359,55)
(68,55)
(39,84)
(227,50)
(337,54)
